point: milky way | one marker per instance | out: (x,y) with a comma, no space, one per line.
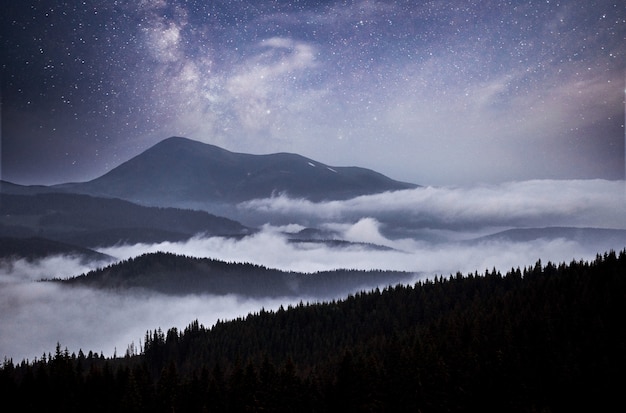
(427,92)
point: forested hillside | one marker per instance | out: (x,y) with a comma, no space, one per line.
(547,338)
(177,274)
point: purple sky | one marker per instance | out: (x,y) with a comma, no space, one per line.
(435,93)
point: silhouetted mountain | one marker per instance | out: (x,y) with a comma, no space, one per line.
(181,172)
(176,274)
(89,221)
(338,243)
(33,248)
(16,189)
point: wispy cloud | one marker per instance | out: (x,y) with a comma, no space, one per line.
(274,250)
(58,266)
(592,203)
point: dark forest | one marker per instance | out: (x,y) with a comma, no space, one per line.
(545,338)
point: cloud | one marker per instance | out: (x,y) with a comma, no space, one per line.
(366,230)
(35,316)
(58,266)
(493,128)
(591,203)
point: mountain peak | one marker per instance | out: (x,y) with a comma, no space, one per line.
(179,141)
(177,145)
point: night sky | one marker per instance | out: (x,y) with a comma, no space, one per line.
(435,93)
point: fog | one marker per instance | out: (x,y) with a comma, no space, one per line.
(36,316)
(57,266)
(537,203)
(439,238)
(273,249)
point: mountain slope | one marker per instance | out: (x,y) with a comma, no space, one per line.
(180,171)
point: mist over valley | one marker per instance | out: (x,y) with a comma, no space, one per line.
(221,235)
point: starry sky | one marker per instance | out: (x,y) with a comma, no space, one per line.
(430,92)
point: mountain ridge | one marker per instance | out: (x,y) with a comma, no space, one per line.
(32,248)
(175,274)
(88,221)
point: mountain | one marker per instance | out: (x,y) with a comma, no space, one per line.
(181,172)
(178,275)
(90,221)
(601,239)
(16,189)
(34,247)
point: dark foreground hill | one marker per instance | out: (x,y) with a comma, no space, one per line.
(91,221)
(182,172)
(548,338)
(178,275)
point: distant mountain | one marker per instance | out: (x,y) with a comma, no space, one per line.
(178,275)
(34,247)
(181,172)
(602,239)
(91,221)
(337,243)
